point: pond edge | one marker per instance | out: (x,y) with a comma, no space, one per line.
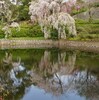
(62,44)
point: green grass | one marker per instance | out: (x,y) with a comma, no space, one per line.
(86,37)
(75,12)
(81,21)
(26,30)
(85,31)
(27,38)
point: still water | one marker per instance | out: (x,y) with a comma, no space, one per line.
(51,74)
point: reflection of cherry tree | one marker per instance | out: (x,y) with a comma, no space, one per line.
(45,64)
(55,73)
(69,65)
(64,76)
(66,68)
(49,76)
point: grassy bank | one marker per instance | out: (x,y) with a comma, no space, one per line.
(27,30)
(85,31)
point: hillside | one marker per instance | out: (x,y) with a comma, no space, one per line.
(85,15)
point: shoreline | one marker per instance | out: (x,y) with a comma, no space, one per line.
(90,46)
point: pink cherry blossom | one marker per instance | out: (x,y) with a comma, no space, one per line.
(53,13)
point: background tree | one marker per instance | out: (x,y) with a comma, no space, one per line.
(9,13)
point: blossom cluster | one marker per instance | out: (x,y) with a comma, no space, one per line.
(53,13)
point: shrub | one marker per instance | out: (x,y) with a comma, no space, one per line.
(1,34)
(28,31)
(23,10)
(96,5)
(54,34)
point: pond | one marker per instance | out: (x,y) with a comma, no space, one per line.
(48,74)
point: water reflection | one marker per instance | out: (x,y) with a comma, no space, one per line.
(49,74)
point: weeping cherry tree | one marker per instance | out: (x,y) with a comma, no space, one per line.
(53,14)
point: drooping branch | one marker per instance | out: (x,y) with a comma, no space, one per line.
(50,14)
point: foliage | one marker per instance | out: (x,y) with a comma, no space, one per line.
(54,34)
(14,12)
(23,10)
(5,12)
(1,33)
(96,5)
(74,12)
(28,31)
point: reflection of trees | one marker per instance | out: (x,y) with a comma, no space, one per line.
(48,67)
(4,77)
(45,64)
(8,58)
(87,85)
(47,77)
(67,66)
(55,74)
(9,82)
(63,76)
